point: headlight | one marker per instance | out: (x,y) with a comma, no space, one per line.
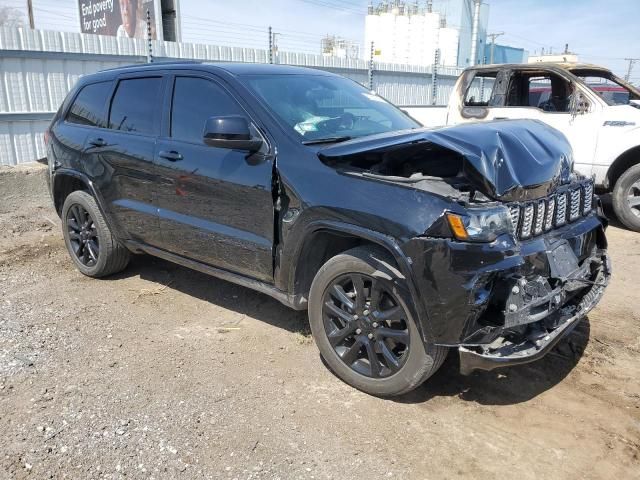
(480,224)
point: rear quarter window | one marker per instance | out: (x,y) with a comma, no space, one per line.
(89,106)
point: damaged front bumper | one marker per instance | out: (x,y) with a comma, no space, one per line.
(505,352)
(509,302)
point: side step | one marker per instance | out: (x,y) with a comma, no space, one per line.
(297,302)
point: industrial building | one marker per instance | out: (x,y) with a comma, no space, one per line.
(335,46)
(505,54)
(413,32)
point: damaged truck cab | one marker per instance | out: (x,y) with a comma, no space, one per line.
(402,242)
(598,112)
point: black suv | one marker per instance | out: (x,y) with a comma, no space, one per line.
(301,184)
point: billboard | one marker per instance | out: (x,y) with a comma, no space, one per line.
(118,18)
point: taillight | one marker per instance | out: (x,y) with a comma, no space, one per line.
(47,136)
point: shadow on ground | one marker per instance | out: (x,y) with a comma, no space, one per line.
(505,386)
(225,294)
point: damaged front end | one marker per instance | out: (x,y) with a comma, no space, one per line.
(519,255)
(533,312)
(510,301)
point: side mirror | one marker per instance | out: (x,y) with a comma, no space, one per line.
(231,132)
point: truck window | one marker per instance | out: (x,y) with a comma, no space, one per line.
(480,91)
(89,106)
(545,91)
(132,105)
(194,101)
(612,92)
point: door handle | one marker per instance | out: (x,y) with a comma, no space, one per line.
(172,155)
(98,142)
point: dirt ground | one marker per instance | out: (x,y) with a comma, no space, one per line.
(162,372)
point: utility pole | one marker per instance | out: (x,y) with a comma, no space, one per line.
(632,62)
(493,37)
(371,54)
(434,77)
(474,32)
(149,44)
(30,13)
(273,45)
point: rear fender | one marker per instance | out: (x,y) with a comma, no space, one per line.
(57,179)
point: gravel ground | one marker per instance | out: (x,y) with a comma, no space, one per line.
(162,372)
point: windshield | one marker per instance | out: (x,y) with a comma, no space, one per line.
(320,107)
(612,90)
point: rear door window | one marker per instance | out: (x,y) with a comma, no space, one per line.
(547,91)
(133,104)
(89,106)
(196,99)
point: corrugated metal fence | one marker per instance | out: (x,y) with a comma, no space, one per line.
(38,67)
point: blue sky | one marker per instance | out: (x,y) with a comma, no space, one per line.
(600,31)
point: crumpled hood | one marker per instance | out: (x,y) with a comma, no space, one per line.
(507,160)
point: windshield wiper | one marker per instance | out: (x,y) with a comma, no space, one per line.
(327,140)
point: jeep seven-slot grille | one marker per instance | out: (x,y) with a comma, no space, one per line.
(538,216)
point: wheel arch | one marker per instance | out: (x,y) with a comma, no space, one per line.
(65,181)
(325,239)
(626,160)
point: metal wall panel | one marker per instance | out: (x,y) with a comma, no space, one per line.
(38,68)
(21,141)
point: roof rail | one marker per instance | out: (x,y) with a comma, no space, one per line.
(162,62)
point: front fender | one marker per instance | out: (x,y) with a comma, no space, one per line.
(388,243)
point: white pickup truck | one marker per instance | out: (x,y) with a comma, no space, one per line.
(598,112)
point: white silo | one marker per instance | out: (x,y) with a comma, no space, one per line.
(449,41)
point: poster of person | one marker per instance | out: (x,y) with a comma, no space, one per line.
(120,18)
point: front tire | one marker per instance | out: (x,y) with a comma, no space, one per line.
(626,198)
(361,324)
(91,245)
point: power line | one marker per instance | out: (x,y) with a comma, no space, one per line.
(247,26)
(327,4)
(632,62)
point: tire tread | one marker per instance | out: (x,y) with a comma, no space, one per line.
(384,263)
(116,255)
(620,206)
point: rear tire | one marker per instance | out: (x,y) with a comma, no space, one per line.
(390,357)
(91,245)
(626,198)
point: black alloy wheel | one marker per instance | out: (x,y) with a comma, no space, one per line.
(366,325)
(94,249)
(83,235)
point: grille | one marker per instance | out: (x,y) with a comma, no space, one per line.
(575,204)
(561,213)
(588,197)
(530,219)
